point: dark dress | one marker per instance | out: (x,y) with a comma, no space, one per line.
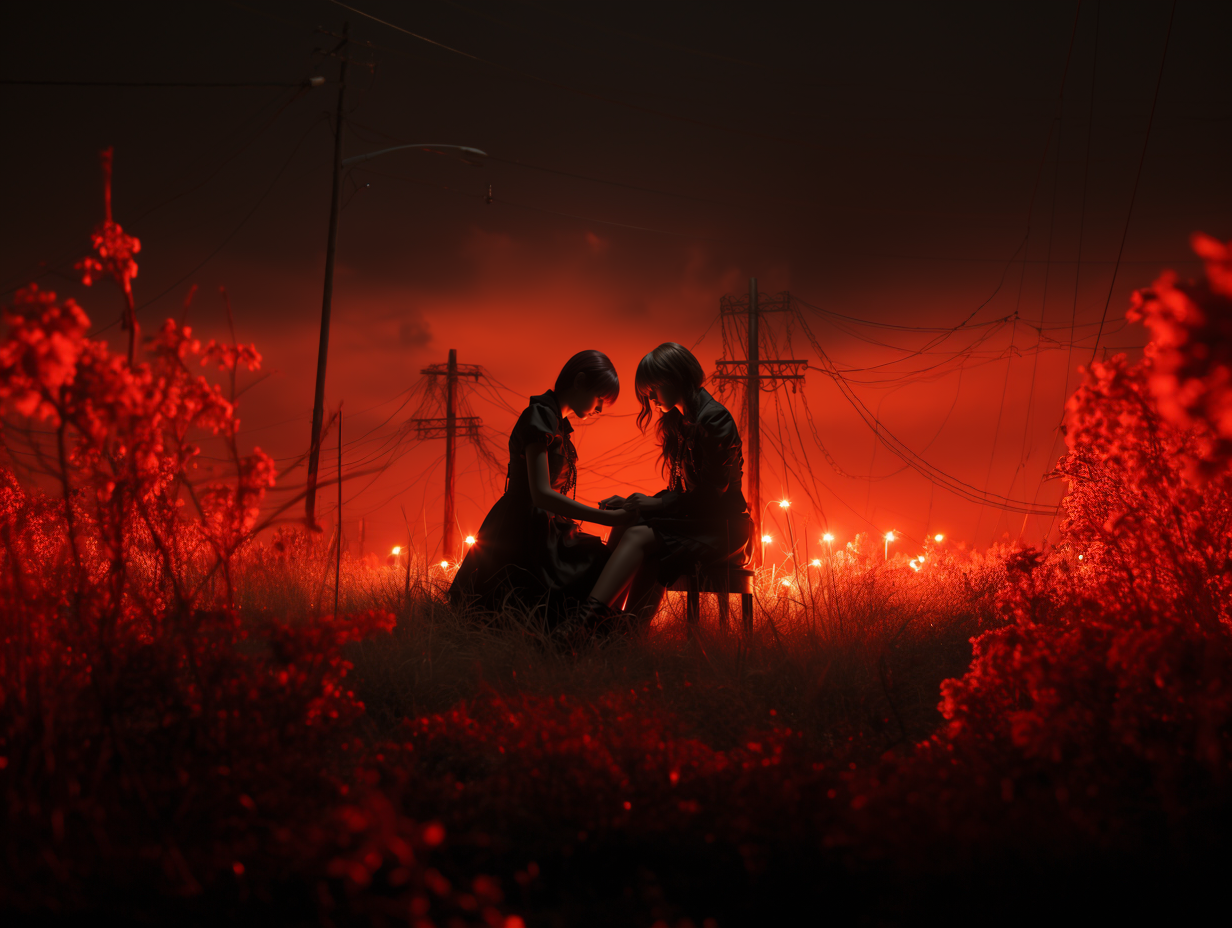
(705,520)
(523,556)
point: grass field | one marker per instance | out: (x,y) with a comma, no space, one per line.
(190,732)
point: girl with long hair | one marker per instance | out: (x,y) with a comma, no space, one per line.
(701,519)
(529,553)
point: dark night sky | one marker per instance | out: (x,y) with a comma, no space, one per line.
(885,161)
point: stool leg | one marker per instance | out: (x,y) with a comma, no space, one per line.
(724,609)
(693,602)
(746,611)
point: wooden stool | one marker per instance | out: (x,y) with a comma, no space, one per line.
(722,580)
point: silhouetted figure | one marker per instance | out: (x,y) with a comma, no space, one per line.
(529,554)
(701,519)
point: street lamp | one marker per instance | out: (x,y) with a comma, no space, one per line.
(889,537)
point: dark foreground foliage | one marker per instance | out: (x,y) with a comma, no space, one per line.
(171,749)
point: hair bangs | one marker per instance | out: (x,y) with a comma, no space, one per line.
(598,374)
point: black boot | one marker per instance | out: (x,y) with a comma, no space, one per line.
(579,626)
(604,622)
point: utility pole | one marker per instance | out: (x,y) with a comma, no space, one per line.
(752,399)
(451,444)
(447,427)
(756,374)
(318,402)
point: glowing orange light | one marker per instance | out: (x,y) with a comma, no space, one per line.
(766,539)
(938,538)
(396,551)
(914,564)
(1080,557)
(827,538)
(889,536)
(444,565)
(786,583)
(470,539)
(816,562)
(783,504)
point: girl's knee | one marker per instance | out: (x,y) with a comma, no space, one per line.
(638,536)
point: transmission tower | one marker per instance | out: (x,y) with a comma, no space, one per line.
(447,427)
(756,374)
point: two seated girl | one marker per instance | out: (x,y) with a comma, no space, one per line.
(529,552)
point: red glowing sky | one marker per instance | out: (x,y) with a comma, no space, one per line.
(902,165)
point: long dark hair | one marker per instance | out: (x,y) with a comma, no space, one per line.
(671,365)
(600,375)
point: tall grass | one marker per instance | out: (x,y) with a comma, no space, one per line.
(852,648)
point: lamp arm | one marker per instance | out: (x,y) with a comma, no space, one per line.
(356,159)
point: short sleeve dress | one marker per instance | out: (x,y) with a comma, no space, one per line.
(705,520)
(524,556)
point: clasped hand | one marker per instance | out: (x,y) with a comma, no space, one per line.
(631,503)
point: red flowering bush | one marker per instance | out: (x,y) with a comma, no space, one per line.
(1110,691)
(155,746)
(1191,354)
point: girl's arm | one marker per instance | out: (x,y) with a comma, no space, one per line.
(543,496)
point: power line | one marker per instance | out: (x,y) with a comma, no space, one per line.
(235,154)
(1073,316)
(903,452)
(1133,196)
(750,133)
(310,82)
(223,244)
(54,267)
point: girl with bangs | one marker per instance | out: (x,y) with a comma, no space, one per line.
(528,553)
(701,519)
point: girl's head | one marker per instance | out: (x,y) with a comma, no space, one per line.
(587,383)
(667,376)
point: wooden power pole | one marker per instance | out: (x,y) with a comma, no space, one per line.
(752,400)
(756,374)
(318,401)
(451,445)
(447,427)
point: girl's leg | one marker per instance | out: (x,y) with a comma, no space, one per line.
(617,533)
(622,566)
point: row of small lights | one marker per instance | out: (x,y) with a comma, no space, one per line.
(397,551)
(828,538)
